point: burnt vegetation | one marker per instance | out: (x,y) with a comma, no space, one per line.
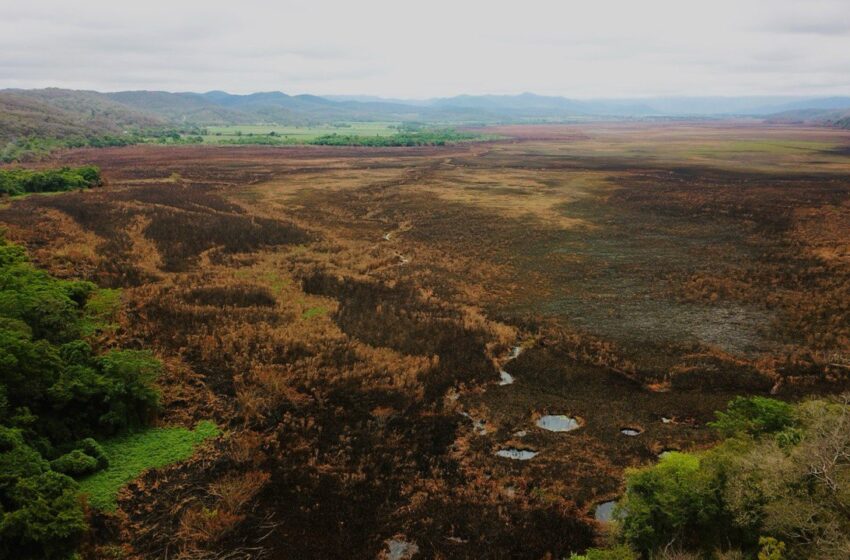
(345,319)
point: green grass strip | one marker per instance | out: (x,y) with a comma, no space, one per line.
(131,454)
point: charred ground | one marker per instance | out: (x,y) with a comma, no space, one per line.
(343,313)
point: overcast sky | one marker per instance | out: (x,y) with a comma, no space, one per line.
(590,48)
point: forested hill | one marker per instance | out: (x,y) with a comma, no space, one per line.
(54,113)
(57,113)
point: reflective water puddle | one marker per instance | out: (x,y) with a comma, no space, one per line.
(505,378)
(558,423)
(401,550)
(517,454)
(605,511)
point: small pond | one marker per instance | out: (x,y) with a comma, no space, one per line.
(558,423)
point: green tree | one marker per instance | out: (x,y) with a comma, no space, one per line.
(754,416)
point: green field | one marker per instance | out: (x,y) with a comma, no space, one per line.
(230,133)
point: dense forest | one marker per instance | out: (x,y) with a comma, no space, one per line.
(61,395)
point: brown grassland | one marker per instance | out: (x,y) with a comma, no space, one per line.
(343,314)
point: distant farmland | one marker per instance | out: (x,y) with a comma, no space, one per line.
(230,133)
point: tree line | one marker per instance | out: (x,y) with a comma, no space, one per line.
(25,181)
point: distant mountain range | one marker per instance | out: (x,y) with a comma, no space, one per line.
(60,113)
(825,117)
(529,104)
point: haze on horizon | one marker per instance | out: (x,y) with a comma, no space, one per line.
(607,48)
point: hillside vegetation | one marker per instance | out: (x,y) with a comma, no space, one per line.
(54,113)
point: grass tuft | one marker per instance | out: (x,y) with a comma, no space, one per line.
(314,312)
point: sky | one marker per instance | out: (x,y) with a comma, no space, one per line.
(407,49)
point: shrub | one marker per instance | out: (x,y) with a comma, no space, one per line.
(43,520)
(790,488)
(75,463)
(93,449)
(17,459)
(771,549)
(436,137)
(40,517)
(130,396)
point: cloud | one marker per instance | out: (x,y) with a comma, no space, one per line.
(611,48)
(829,18)
(839,28)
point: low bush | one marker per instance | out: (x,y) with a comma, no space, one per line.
(75,463)
(93,449)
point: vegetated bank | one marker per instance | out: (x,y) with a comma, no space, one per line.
(62,397)
(775,488)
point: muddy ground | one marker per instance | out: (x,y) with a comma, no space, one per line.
(344,314)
